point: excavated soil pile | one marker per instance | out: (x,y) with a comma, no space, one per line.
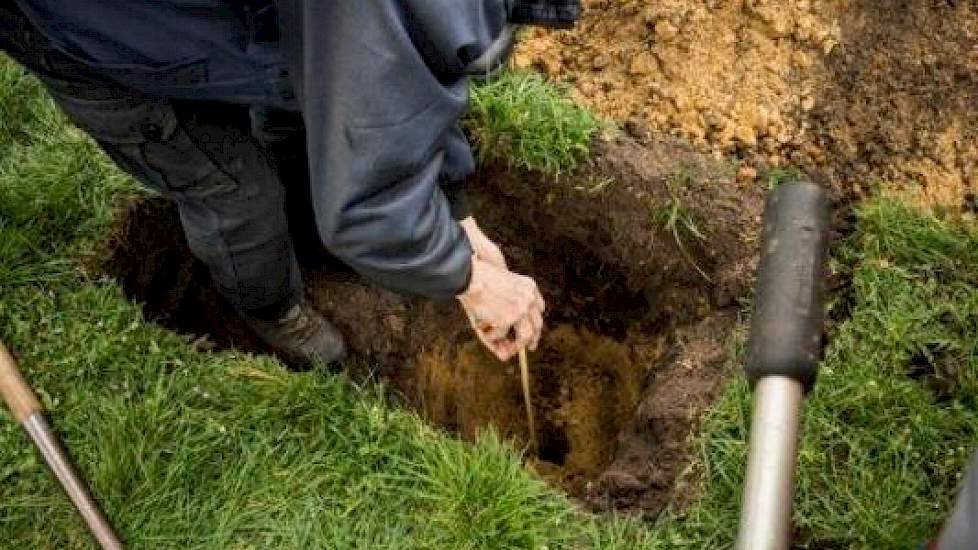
(855,92)
(642,279)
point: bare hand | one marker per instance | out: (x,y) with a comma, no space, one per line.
(482,246)
(505,309)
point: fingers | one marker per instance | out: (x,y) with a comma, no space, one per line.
(535,316)
(536,322)
(526,333)
(498,332)
(530,323)
(504,308)
(504,349)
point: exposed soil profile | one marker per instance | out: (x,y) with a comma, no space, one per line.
(855,92)
(640,309)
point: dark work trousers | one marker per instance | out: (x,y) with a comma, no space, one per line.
(204,156)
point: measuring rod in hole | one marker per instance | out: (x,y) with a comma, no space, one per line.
(784,350)
(27,411)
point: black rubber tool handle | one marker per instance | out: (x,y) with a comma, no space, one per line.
(789,308)
(560,14)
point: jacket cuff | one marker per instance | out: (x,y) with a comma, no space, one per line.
(466,279)
(458,200)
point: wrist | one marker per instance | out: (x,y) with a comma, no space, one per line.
(468,224)
(476,286)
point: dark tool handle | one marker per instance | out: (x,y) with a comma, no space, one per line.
(547,13)
(786,333)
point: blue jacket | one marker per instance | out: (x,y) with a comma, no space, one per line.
(380,84)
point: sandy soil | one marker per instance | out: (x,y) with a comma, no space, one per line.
(855,92)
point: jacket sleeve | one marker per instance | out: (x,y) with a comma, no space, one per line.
(381,87)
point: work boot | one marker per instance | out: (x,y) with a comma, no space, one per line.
(302,336)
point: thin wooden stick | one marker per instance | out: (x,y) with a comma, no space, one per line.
(525,375)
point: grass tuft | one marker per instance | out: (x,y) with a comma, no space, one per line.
(676,218)
(520,119)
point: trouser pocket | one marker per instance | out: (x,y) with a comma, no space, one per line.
(230,199)
(146,139)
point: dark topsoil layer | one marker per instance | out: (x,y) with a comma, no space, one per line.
(640,311)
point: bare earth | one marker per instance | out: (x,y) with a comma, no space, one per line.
(855,92)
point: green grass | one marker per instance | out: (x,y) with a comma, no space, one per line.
(881,451)
(520,119)
(677,219)
(214,450)
(776,177)
(220,450)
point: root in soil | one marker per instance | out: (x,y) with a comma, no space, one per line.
(639,314)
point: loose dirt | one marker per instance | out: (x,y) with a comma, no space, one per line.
(854,92)
(643,277)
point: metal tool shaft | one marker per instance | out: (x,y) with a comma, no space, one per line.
(765,521)
(27,411)
(56,458)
